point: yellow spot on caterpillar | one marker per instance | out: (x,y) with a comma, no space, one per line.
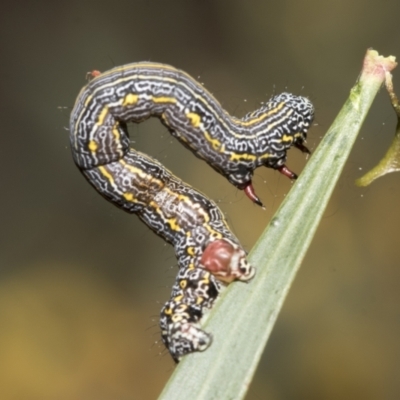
(173,224)
(206,279)
(164,99)
(287,138)
(183,283)
(177,299)
(129,197)
(130,99)
(242,157)
(194,118)
(215,143)
(93,146)
(102,116)
(199,300)
(106,174)
(190,251)
(168,311)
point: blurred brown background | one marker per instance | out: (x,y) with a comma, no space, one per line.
(82,283)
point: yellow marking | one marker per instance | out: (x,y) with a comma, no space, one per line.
(88,99)
(242,157)
(206,279)
(218,112)
(156,208)
(133,169)
(215,143)
(130,99)
(191,266)
(183,283)
(164,99)
(168,311)
(216,234)
(265,156)
(287,138)
(106,174)
(177,299)
(194,118)
(199,300)
(190,250)
(93,146)
(260,118)
(116,132)
(102,116)
(129,197)
(173,224)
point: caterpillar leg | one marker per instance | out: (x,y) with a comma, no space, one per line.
(251,194)
(180,332)
(302,148)
(194,291)
(287,172)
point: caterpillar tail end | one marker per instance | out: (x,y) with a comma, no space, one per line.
(184,338)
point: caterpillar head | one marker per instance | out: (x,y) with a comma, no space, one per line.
(226,261)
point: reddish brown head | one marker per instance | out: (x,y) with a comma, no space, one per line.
(226,261)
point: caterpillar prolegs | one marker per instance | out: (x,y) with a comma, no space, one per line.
(208,254)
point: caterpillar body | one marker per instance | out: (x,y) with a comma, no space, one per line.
(208,254)
(234,147)
(193,224)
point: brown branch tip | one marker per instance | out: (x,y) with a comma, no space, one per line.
(376,66)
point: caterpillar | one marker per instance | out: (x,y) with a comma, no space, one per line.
(233,147)
(209,255)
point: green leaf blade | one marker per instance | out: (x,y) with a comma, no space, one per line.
(243,318)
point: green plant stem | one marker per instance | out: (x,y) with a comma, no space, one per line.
(391,160)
